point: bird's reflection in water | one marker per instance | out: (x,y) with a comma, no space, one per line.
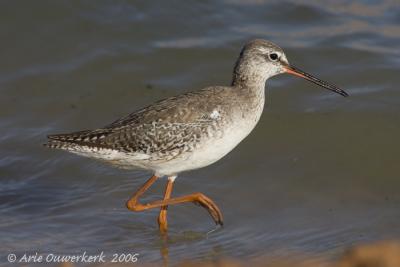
(164,250)
(166,240)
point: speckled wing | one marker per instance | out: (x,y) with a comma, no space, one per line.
(168,127)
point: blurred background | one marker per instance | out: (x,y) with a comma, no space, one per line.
(318,174)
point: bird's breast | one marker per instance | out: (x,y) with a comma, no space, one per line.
(230,130)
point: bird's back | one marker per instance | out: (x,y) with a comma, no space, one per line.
(162,131)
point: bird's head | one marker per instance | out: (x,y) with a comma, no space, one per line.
(261,59)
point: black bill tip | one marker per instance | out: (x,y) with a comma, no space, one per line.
(297,72)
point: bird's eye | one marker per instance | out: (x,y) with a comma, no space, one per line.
(273,56)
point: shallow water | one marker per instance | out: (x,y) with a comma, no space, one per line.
(319,173)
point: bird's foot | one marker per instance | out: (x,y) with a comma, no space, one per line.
(211,207)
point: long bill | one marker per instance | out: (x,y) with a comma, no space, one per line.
(297,72)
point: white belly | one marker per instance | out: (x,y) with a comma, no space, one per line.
(213,149)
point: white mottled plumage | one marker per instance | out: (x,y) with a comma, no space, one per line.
(214,145)
(188,131)
(191,130)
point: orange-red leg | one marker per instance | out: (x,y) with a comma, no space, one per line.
(197,198)
(162,217)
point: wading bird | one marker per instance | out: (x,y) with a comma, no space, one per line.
(188,131)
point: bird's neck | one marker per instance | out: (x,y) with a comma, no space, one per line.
(250,86)
(248,81)
(248,76)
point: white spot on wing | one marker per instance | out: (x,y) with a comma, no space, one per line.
(214,115)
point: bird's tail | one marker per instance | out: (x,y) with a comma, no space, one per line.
(64,141)
(74,141)
(61,145)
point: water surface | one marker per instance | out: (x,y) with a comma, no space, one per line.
(319,173)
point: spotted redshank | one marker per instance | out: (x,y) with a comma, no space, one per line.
(188,131)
